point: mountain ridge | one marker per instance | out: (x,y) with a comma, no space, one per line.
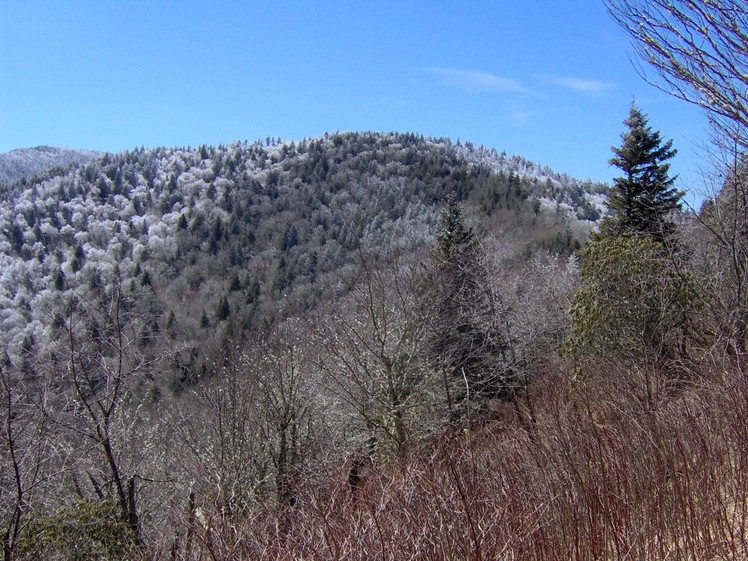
(24,162)
(218,239)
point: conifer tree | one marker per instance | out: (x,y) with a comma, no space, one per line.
(456,242)
(644,196)
(633,306)
(223,311)
(466,341)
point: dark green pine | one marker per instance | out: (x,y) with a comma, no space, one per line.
(643,197)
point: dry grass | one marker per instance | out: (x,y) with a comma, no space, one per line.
(601,477)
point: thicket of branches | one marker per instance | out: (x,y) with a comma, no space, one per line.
(695,51)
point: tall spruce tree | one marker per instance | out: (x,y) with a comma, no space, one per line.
(467,342)
(634,307)
(644,196)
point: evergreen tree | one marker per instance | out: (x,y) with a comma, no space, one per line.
(455,241)
(223,311)
(643,197)
(632,307)
(182,224)
(236,283)
(466,341)
(59,279)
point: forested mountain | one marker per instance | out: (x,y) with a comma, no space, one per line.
(384,346)
(29,162)
(218,240)
(367,342)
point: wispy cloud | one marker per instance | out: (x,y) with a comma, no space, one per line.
(477,81)
(580,85)
(519,114)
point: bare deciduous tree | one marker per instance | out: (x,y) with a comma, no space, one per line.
(374,353)
(100,373)
(282,372)
(248,431)
(23,457)
(698,51)
(722,261)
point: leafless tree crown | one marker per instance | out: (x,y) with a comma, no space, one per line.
(698,51)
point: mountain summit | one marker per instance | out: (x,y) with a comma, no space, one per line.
(26,162)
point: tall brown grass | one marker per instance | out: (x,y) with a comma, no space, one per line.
(600,474)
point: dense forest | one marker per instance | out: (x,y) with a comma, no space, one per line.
(217,324)
(382,345)
(215,241)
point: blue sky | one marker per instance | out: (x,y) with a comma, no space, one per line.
(550,80)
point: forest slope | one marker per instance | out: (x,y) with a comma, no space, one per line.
(223,237)
(30,162)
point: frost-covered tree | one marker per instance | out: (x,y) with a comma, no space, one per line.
(96,377)
(374,355)
(181,223)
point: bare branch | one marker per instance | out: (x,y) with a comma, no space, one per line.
(697,51)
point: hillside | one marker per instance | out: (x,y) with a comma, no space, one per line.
(218,239)
(364,346)
(30,162)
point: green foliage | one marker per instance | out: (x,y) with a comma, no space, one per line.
(182,223)
(632,303)
(85,531)
(644,196)
(59,279)
(455,241)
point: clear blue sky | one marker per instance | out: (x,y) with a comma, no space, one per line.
(547,79)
